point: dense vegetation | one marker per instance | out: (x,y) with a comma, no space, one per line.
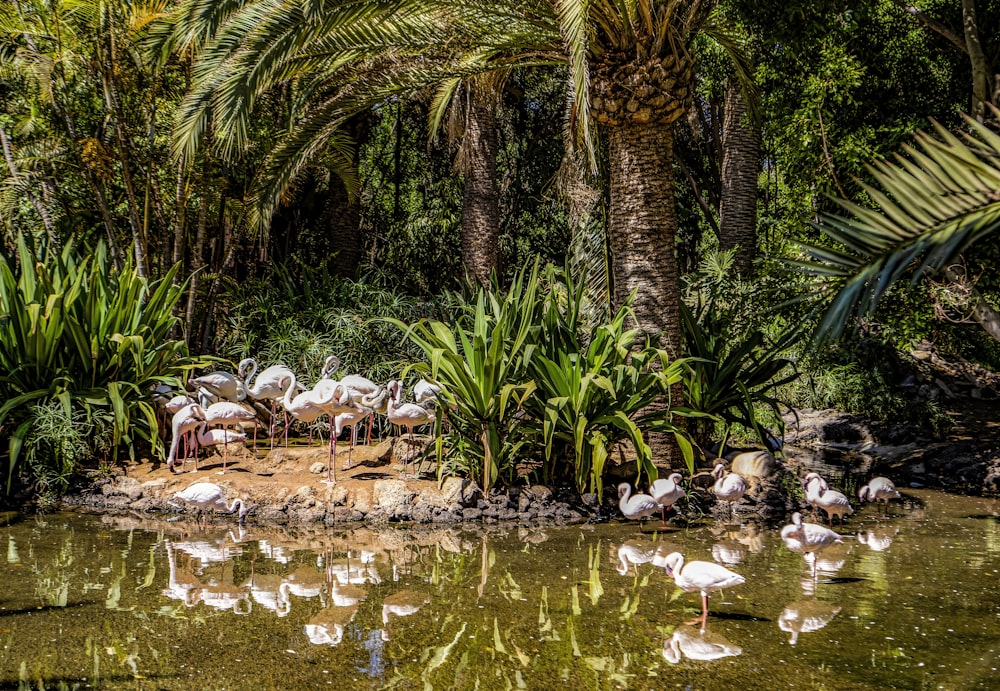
(290,181)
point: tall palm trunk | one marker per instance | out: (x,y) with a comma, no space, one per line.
(642,228)
(740,165)
(480,198)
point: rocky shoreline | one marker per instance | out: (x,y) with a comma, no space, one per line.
(284,487)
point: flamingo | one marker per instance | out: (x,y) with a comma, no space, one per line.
(227,415)
(728,487)
(266,386)
(808,538)
(426,392)
(208,497)
(879,489)
(184,421)
(377,402)
(667,493)
(834,503)
(214,437)
(220,385)
(350,419)
(408,415)
(307,406)
(635,507)
(703,576)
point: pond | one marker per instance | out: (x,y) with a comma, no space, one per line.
(911,601)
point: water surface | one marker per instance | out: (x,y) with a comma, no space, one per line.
(909,602)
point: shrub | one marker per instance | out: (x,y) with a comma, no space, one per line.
(92,341)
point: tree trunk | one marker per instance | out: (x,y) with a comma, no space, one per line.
(642,228)
(740,167)
(344,218)
(480,198)
(980,74)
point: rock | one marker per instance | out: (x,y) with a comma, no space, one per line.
(317,468)
(471,514)
(394,498)
(759,464)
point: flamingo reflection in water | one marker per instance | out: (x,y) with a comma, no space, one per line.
(877,540)
(697,644)
(806,616)
(808,539)
(403,603)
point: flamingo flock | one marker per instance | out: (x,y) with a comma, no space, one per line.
(220,408)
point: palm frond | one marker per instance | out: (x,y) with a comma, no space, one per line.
(932,203)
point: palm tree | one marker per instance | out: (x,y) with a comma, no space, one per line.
(933,204)
(628,63)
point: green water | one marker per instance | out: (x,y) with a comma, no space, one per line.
(145,603)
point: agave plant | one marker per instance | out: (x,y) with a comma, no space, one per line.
(732,371)
(481,363)
(933,204)
(92,339)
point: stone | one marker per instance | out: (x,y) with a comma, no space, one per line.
(394,498)
(317,468)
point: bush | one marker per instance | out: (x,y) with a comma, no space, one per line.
(87,340)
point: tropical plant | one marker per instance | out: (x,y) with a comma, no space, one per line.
(732,372)
(933,205)
(94,340)
(593,390)
(481,362)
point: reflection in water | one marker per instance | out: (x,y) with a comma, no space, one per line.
(878,539)
(467,607)
(698,644)
(805,616)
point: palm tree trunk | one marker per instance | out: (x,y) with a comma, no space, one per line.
(740,166)
(642,227)
(480,198)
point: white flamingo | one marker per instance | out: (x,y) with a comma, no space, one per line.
(635,506)
(834,503)
(408,415)
(728,487)
(350,419)
(226,414)
(214,437)
(183,423)
(808,539)
(667,492)
(208,497)
(266,386)
(702,576)
(879,489)
(221,385)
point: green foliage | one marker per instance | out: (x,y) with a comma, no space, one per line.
(735,366)
(594,389)
(93,339)
(299,315)
(481,364)
(518,372)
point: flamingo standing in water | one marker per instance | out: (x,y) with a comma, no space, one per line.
(702,576)
(635,506)
(834,503)
(208,497)
(879,489)
(808,539)
(728,487)
(667,493)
